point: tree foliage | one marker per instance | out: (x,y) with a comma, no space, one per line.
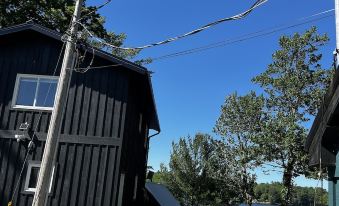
(199,175)
(238,124)
(57,15)
(255,130)
(294,84)
(271,128)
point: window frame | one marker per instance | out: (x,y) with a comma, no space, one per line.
(28,175)
(16,90)
(35,164)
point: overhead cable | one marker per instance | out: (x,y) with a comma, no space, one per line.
(95,9)
(245,37)
(235,17)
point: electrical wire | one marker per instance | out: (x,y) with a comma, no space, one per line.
(21,172)
(90,67)
(95,9)
(235,17)
(49,88)
(318,14)
(73,40)
(263,32)
(31,143)
(83,70)
(241,38)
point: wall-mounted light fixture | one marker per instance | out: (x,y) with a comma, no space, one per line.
(23,133)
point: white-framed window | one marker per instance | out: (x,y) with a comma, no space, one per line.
(34,91)
(32,174)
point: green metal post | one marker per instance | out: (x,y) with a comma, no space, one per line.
(331,186)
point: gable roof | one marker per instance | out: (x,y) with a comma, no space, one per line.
(154,122)
(58,36)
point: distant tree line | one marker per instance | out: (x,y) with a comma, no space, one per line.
(302,196)
(255,130)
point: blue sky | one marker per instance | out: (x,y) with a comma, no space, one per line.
(190,89)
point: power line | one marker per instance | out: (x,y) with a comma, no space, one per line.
(95,9)
(235,17)
(263,32)
(245,37)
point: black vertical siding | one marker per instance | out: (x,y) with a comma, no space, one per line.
(96,101)
(82,173)
(90,111)
(133,151)
(11,161)
(104,103)
(22,57)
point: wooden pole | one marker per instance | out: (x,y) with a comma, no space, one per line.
(57,114)
(332,185)
(332,180)
(337,33)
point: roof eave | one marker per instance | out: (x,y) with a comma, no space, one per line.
(325,112)
(105,55)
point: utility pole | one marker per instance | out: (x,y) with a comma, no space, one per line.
(57,114)
(332,179)
(336,33)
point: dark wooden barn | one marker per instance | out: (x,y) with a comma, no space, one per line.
(323,139)
(102,154)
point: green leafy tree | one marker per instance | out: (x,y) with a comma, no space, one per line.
(56,15)
(238,124)
(294,84)
(162,175)
(197,175)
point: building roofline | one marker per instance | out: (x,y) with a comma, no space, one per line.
(105,55)
(319,123)
(156,119)
(30,26)
(56,35)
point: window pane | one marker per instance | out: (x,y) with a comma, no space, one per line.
(46,93)
(26,91)
(33,179)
